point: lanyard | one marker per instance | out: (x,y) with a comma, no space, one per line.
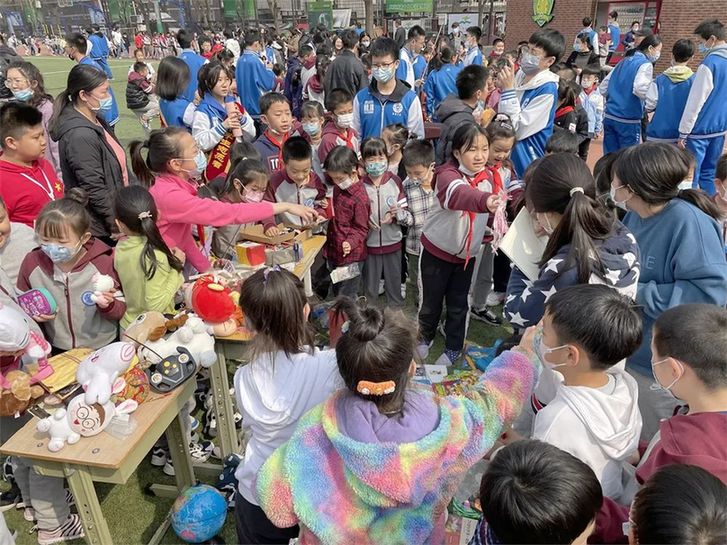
(47,189)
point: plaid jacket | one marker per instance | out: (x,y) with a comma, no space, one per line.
(420,203)
(350,224)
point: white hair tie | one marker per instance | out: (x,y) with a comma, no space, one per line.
(144,215)
(576,190)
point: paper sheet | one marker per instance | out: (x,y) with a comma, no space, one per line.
(523,246)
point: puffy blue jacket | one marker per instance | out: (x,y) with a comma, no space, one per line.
(253,81)
(439,84)
(194,61)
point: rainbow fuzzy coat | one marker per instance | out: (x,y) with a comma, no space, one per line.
(345,492)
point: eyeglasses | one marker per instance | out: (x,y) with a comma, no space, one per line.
(16,81)
(383,64)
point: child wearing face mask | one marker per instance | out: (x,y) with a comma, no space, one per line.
(594,412)
(246,182)
(389,211)
(65,264)
(338,131)
(312,118)
(451,240)
(173,162)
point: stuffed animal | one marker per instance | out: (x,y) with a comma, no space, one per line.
(102,283)
(213,303)
(17,393)
(98,371)
(91,419)
(59,428)
(194,335)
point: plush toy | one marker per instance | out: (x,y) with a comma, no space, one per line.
(98,371)
(19,393)
(194,335)
(88,420)
(59,428)
(136,386)
(102,283)
(150,326)
(213,303)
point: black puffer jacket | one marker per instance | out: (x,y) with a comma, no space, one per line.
(136,98)
(88,162)
(452,113)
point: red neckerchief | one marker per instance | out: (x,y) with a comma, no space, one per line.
(309,63)
(278,144)
(496,178)
(348,138)
(565,110)
(474,182)
(590,89)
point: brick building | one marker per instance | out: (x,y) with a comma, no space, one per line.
(673,19)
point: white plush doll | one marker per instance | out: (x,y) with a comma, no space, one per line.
(194,335)
(59,429)
(98,371)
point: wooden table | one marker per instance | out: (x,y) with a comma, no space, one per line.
(107,459)
(234,348)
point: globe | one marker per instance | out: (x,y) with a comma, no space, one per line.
(198,514)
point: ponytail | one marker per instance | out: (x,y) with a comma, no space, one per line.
(139,164)
(699,198)
(163,145)
(82,77)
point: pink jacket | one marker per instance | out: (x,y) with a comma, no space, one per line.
(180,208)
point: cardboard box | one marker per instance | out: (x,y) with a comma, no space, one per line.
(256,233)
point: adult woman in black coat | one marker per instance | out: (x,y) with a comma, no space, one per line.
(583,54)
(91,156)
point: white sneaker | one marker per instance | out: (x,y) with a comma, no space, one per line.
(168,468)
(495,298)
(382,289)
(159,456)
(403,290)
(71,529)
(201,452)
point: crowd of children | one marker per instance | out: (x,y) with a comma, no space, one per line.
(602,417)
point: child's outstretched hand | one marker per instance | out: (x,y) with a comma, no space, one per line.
(105,299)
(272,231)
(346,249)
(40,318)
(526,342)
(493,201)
(306,213)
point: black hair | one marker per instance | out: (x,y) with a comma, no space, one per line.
(415,32)
(243,150)
(139,66)
(613,15)
(446,55)
(591,70)
(172,78)
(471,79)
(312,108)
(679,504)
(418,153)
(273,301)
(549,187)
(278,69)
(341,159)
(371,147)
(135,207)
(252,36)
(349,38)
(209,75)
(566,94)
(584,38)
(399,134)
(653,172)
(600,320)
(77,40)
(587,21)
(711,27)
(533,492)
(683,50)
(500,128)
(297,148)
(224,55)
(268,99)
(227,33)
(562,141)
(378,347)
(498,41)
(549,40)
(204,39)
(384,47)
(465,136)
(721,173)
(305,49)
(82,77)
(650,40)
(32,74)
(695,334)
(163,146)
(475,31)
(570,73)
(184,37)
(603,174)
(245,170)
(337,97)
(70,212)
(16,118)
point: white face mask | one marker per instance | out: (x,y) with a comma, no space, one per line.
(547,227)
(541,350)
(345,183)
(620,204)
(658,386)
(344,121)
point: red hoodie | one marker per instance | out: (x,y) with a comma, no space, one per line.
(697,439)
(26,190)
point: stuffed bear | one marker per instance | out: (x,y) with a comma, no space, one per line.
(59,429)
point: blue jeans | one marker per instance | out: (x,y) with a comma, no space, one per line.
(707,152)
(617,135)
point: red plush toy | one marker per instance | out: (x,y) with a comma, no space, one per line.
(212,301)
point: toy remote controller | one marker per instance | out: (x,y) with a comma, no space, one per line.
(172,371)
(37,302)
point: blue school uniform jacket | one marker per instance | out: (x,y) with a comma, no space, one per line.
(440,83)
(253,81)
(100,48)
(174,110)
(111,116)
(622,104)
(673,96)
(373,111)
(705,114)
(194,61)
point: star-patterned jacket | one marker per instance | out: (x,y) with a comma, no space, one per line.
(619,255)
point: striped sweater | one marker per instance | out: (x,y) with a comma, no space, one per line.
(342,491)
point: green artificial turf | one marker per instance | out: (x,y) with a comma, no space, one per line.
(132,515)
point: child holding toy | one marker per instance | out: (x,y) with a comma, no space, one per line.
(144,250)
(286,377)
(174,160)
(67,264)
(391,457)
